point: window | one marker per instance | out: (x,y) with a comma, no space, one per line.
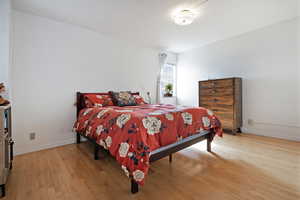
(168,76)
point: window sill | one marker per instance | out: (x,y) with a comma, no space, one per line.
(169,97)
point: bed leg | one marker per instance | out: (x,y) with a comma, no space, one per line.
(134,187)
(170,158)
(2,190)
(78,138)
(209,140)
(96,156)
(208,145)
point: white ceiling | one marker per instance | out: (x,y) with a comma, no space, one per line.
(149,23)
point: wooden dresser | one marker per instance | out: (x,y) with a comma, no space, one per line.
(224,98)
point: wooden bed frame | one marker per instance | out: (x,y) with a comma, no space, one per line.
(154,155)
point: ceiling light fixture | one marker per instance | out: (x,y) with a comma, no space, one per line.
(184,17)
(187,13)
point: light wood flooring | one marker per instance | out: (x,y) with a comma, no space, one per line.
(243,167)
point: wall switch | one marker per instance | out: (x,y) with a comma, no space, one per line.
(250,122)
(32,136)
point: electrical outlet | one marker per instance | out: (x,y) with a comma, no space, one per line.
(32,136)
(251,122)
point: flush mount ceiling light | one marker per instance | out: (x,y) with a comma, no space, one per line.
(184,17)
(185,14)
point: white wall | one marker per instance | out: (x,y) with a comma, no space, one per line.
(5,10)
(298,50)
(52,61)
(268,62)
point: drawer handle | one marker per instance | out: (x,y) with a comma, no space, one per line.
(215,110)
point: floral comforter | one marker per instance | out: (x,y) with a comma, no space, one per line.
(130,133)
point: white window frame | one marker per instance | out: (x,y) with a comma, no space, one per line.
(163,82)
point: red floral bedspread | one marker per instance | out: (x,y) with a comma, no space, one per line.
(130,133)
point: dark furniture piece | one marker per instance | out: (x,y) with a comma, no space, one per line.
(156,154)
(6,146)
(224,98)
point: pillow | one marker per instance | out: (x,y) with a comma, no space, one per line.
(139,100)
(123,98)
(96,100)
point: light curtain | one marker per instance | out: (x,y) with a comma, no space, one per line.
(162,62)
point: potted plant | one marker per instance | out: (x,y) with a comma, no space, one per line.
(168,90)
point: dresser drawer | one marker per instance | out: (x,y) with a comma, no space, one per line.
(217,83)
(216,91)
(227,124)
(224,112)
(216,100)
(226,119)
(223,115)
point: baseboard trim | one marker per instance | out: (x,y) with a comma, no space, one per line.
(274,124)
(26,149)
(287,133)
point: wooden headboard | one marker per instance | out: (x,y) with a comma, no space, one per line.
(80,104)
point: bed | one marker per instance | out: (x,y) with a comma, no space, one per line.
(139,135)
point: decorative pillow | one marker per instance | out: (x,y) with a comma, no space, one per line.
(123,98)
(139,100)
(96,100)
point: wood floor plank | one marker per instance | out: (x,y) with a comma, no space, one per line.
(241,167)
